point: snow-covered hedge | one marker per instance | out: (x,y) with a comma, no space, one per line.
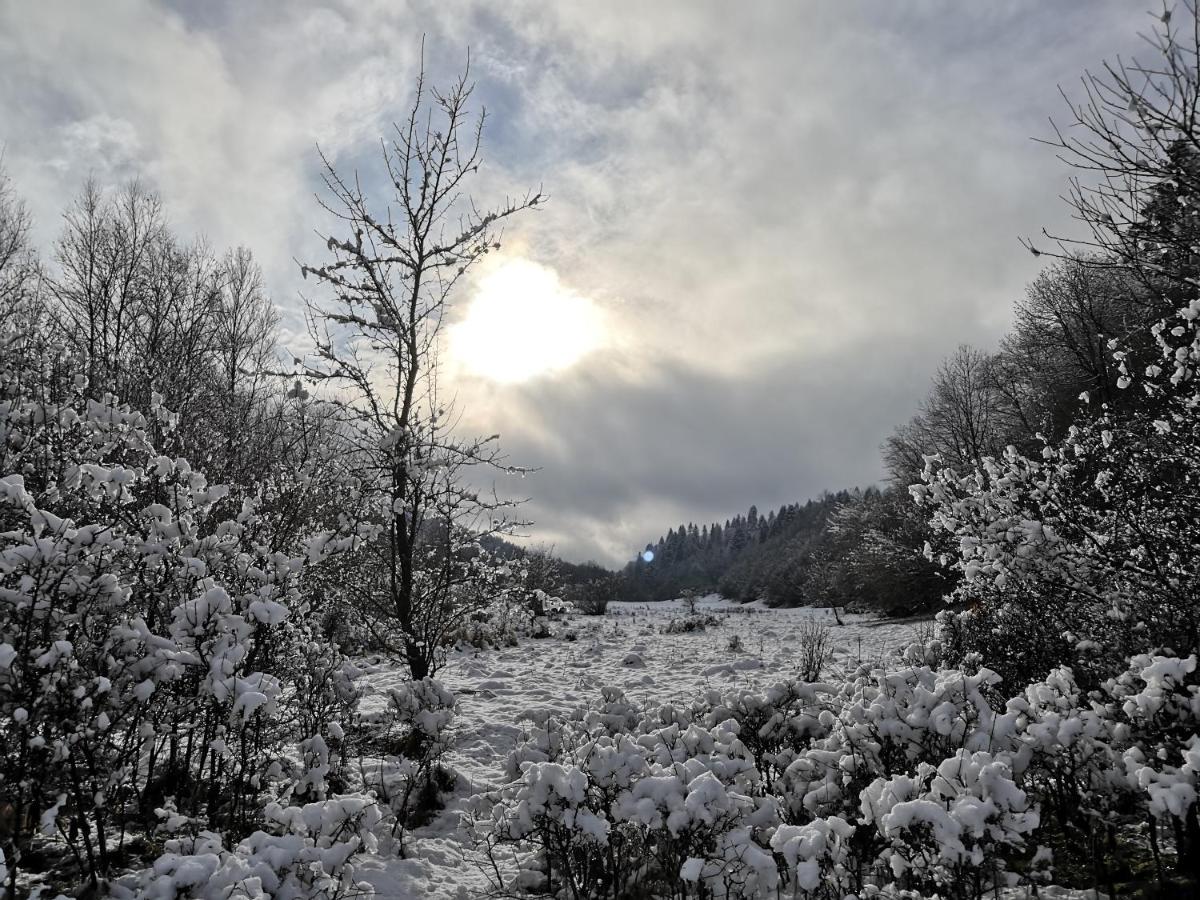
(160,673)
(900,779)
(400,749)
(1087,550)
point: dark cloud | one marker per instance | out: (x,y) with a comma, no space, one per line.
(625,459)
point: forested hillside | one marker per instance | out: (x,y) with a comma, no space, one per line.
(858,548)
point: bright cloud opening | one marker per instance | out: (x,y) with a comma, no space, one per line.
(522,323)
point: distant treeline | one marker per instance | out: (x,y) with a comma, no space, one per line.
(850,548)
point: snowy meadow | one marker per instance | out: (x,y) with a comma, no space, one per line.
(507,697)
(623,755)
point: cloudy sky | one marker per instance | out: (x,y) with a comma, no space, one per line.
(768,221)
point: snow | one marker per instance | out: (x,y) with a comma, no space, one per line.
(503,694)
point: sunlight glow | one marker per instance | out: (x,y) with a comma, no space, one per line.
(521,323)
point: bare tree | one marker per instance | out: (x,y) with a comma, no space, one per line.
(1135,140)
(1058,348)
(18,264)
(958,420)
(388,284)
(244,406)
(151,314)
(134,302)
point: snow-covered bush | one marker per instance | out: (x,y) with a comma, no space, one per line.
(652,804)
(620,814)
(656,801)
(703,812)
(949,828)
(512,616)
(1154,708)
(149,623)
(886,722)
(693,622)
(816,856)
(560,810)
(776,726)
(1088,551)
(303,852)
(907,779)
(400,750)
(548,738)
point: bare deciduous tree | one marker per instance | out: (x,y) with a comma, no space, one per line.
(388,284)
(958,420)
(243,402)
(151,314)
(1058,348)
(17,260)
(1134,139)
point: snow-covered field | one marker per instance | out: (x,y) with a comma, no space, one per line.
(499,691)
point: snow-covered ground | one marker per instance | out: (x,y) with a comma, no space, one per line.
(500,690)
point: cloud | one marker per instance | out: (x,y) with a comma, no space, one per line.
(786,213)
(629,456)
(107,147)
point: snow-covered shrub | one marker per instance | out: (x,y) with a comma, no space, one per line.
(562,811)
(901,780)
(562,806)
(148,624)
(693,623)
(1066,754)
(553,609)
(613,714)
(510,617)
(548,739)
(1154,708)
(322,697)
(622,814)
(499,624)
(401,749)
(779,725)
(702,811)
(816,856)
(1087,552)
(950,828)
(925,648)
(303,852)
(886,722)
(656,801)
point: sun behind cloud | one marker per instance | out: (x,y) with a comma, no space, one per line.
(521,323)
